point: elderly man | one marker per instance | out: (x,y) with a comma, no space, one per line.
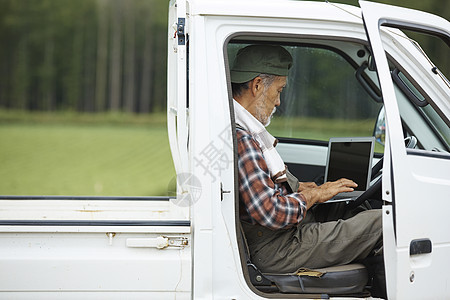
(284,230)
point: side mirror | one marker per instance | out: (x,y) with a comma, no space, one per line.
(380,127)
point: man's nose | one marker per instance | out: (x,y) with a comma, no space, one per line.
(278,102)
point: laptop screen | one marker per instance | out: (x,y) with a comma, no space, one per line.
(350,158)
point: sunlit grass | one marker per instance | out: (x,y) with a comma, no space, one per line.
(69,154)
(111,154)
(322,129)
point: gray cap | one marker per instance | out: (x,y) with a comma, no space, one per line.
(260,59)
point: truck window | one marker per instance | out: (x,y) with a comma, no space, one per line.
(418,104)
(420,118)
(322,98)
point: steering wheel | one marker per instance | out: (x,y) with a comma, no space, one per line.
(377,170)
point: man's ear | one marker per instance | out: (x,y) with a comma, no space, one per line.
(256,86)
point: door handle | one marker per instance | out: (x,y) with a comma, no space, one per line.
(420,246)
(160,242)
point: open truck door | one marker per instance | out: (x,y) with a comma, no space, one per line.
(416,182)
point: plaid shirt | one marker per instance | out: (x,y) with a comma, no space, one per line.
(261,200)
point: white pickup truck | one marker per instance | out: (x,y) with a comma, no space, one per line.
(355,73)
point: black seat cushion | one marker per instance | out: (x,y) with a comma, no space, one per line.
(347,279)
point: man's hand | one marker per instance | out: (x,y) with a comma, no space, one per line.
(306,185)
(326,191)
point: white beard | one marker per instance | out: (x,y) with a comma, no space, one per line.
(270,117)
(264,119)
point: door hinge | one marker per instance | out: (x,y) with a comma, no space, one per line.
(180,31)
(160,242)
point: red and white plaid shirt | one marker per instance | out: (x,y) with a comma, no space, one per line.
(263,201)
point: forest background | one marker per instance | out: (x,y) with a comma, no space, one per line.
(69,69)
(98,55)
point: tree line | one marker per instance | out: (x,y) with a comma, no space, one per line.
(84,55)
(99,55)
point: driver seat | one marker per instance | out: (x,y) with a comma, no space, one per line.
(336,280)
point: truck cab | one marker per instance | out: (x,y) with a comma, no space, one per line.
(355,74)
(353,68)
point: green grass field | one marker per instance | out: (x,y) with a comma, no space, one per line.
(109,154)
(71,154)
(319,129)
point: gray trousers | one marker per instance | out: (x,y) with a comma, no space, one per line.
(328,236)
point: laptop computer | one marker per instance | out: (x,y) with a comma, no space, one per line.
(350,157)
